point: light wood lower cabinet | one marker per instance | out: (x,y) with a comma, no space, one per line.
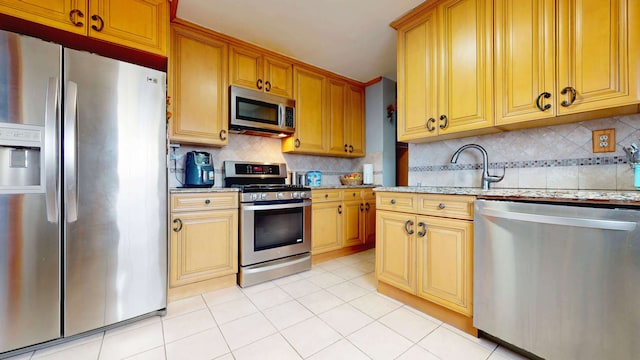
(342,219)
(204,238)
(423,251)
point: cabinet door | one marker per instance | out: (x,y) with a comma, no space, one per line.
(198,80)
(60,14)
(353,222)
(245,68)
(278,77)
(524,60)
(139,24)
(418,78)
(465,92)
(445,262)
(598,53)
(326,227)
(310,95)
(205,247)
(337,104)
(355,124)
(370,221)
(395,250)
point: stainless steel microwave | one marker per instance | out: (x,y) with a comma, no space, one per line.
(257,113)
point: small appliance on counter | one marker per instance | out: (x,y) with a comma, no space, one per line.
(314,178)
(198,169)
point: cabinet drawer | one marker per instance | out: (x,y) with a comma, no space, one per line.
(452,206)
(368,194)
(352,194)
(405,202)
(318,196)
(204,201)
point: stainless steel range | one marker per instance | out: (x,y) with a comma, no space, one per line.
(275,221)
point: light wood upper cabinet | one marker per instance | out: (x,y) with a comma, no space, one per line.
(254,70)
(199,87)
(445,70)
(337,116)
(598,54)
(355,128)
(311,102)
(139,24)
(60,14)
(548,50)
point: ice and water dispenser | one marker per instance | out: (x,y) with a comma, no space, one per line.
(20,158)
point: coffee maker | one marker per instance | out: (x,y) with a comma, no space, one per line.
(198,169)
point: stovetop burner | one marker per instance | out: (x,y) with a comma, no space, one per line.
(263,182)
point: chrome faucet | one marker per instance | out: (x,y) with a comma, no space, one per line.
(486,178)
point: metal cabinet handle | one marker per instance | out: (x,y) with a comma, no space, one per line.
(267,86)
(179,227)
(361,207)
(406,227)
(297,143)
(393,201)
(72,17)
(431,121)
(446,121)
(367,207)
(350,148)
(99,19)
(339,209)
(566,103)
(441,206)
(424,229)
(223,134)
(259,84)
(546,107)
(207,201)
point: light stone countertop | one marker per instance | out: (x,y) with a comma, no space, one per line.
(338,187)
(628,197)
(202,190)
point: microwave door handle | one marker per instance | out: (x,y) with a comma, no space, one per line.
(282,115)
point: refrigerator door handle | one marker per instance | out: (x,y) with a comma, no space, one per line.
(51,150)
(71,151)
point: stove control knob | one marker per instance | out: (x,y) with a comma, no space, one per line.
(295,195)
(304,195)
(279,196)
(253,197)
(263,196)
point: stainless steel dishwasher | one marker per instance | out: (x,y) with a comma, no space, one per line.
(559,281)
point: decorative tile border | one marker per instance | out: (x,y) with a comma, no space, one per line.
(605,160)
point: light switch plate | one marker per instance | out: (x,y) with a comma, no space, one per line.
(604,140)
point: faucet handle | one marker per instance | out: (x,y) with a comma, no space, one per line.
(497,178)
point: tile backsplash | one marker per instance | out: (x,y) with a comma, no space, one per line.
(264,149)
(554,157)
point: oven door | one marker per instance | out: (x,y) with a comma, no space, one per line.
(274,230)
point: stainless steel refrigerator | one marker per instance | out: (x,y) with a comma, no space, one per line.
(83,207)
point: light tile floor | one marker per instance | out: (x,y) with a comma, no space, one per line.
(330,312)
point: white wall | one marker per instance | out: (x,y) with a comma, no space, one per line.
(555,157)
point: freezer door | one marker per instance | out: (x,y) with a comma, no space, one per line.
(29,229)
(115,191)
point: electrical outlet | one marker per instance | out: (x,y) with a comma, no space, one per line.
(604,140)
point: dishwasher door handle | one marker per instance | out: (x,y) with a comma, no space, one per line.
(559,220)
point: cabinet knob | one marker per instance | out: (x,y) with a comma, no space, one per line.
(267,86)
(100,22)
(207,201)
(361,207)
(441,206)
(223,134)
(393,201)
(423,232)
(406,227)
(367,207)
(72,17)
(429,122)
(179,225)
(259,84)
(297,143)
(546,107)
(572,99)
(339,209)
(350,148)
(445,121)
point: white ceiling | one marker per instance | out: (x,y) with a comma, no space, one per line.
(348,37)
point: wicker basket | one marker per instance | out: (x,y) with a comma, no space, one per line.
(346,181)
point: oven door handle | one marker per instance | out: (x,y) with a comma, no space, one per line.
(276,206)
